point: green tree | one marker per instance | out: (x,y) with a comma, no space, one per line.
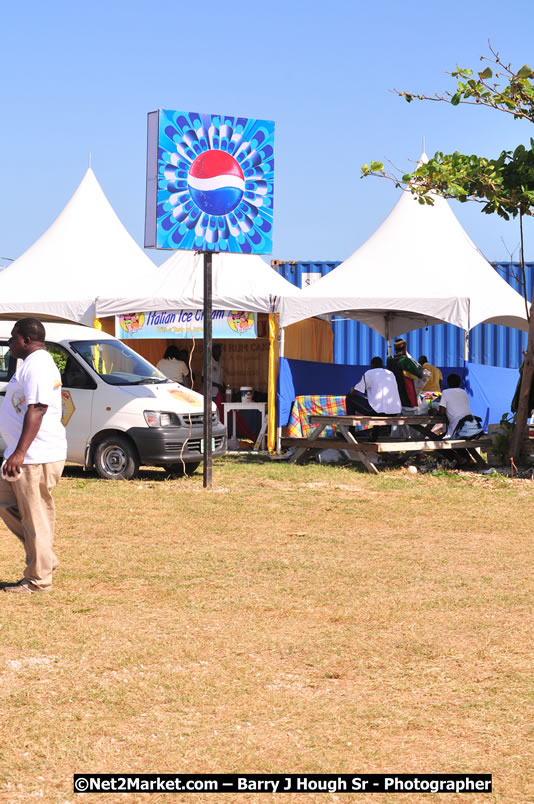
(503,185)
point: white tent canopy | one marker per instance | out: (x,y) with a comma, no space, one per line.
(85,252)
(418,268)
(240,282)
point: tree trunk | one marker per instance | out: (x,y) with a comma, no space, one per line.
(524,394)
(523,407)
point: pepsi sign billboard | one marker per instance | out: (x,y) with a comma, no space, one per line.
(210,183)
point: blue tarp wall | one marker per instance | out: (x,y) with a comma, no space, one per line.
(490,389)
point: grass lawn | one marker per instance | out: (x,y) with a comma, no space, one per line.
(293,619)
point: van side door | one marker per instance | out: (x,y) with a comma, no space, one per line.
(77,394)
(8,367)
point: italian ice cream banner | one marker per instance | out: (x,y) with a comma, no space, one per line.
(185,324)
(210,182)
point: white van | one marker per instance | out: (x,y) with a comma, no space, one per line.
(119,411)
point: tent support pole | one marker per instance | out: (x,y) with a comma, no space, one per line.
(280,354)
(466,333)
(387,320)
(207,368)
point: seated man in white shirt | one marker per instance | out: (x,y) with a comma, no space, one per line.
(454,403)
(376,394)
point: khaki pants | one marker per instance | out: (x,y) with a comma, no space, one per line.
(27,508)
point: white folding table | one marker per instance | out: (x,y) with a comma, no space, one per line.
(234,407)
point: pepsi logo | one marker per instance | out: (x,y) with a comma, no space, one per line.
(216,182)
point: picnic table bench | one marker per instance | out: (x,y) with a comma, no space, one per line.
(367,452)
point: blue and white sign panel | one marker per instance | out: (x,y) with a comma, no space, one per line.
(210,183)
(185,324)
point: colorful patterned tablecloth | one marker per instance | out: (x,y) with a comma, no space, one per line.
(305,406)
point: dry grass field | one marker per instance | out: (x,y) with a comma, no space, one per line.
(292,619)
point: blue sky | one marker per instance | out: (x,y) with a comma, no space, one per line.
(82,77)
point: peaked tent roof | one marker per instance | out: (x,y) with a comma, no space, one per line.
(240,282)
(85,252)
(418,268)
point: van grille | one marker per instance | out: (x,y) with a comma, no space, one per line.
(191,445)
(173,446)
(192,419)
(197,419)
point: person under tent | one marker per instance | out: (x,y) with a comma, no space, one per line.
(217,378)
(454,404)
(406,370)
(433,384)
(375,394)
(173,366)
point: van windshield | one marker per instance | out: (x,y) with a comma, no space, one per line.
(117,364)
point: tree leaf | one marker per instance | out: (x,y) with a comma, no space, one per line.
(525,72)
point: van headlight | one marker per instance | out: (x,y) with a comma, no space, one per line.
(155,418)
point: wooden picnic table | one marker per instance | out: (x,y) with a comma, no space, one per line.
(367,452)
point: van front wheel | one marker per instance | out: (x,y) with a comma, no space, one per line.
(115,459)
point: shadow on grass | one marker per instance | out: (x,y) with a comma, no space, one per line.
(146,473)
(257,459)
(247,457)
(158,473)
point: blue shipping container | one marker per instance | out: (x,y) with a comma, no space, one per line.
(443,344)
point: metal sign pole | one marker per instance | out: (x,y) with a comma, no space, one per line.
(207,365)
(189,211)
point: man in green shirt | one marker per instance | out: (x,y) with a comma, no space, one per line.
(405,370)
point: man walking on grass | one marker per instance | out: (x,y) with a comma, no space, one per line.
(30,423)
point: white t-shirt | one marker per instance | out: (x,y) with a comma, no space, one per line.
(217,375)
(36,381)
(173,369)
(382,390)
(456,403)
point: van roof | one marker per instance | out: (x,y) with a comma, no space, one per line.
(59,331)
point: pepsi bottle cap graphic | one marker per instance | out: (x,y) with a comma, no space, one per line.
(216,182)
